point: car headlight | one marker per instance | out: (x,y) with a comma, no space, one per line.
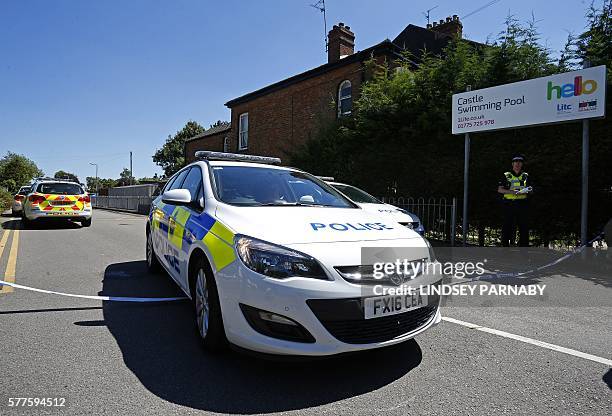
(277,261)
(411,225)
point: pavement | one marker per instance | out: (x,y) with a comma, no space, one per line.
(117,358)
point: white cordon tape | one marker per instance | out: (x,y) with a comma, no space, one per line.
(105,298)
(521,275)
(146,300)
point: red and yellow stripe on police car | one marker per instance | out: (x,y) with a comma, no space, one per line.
(60,204)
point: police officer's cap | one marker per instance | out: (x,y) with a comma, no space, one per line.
(518,157)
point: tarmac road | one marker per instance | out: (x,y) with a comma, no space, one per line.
(116,358)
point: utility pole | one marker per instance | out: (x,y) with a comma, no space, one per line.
(131,172)
(97,180)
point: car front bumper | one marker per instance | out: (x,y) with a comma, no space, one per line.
(297,300)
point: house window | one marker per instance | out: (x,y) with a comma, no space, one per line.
(345,98)
(226,144)
(243,131)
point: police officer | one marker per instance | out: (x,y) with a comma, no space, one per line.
(515,187)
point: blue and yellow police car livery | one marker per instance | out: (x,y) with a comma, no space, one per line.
(262,252)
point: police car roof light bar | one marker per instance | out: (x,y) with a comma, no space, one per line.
(209,155)
(49,179)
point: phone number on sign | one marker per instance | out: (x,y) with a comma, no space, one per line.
(36,402)
(478,123)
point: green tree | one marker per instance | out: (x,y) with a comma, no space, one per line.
(170,156)
(594,45)
(153,179)
(16,171)
(94,183)
(399,136)
(126,178)
(6,199)
(217,123)
(61,174)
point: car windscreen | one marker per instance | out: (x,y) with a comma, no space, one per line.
(259,186)
(59,188)
(357,195)
(24,190)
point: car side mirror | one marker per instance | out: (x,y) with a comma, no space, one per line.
(177,197)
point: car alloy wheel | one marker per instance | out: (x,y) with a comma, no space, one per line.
(202,304)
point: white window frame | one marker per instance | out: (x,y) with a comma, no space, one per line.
(243,135)
(341,98)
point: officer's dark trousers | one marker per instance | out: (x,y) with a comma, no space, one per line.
(516,214)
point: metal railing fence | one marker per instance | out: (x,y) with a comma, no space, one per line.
(139,204)
(438,215)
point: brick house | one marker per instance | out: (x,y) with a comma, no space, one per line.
(276,119)
(215,138)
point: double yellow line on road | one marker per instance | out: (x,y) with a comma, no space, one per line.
(11,265)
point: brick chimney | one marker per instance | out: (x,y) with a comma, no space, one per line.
(341,42)
(451,26)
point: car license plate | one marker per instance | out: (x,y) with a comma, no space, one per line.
(61,203)
(392,305)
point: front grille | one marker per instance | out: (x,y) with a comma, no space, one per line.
(364,274)
(344,319)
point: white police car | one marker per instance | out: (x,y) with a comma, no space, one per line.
(271,258)
(51,198)
(376,206)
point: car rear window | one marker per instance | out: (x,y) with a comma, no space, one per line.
(59,188)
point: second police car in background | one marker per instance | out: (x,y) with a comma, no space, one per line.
(376,206)
(57,199)
(268,253)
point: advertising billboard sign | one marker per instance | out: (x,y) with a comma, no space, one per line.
(557,98)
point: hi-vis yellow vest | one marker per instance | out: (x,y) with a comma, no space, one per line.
(516,183)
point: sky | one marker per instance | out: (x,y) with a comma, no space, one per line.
(89,81)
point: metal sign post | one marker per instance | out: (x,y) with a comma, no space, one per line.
(466,182)
(585,177)
(585,183)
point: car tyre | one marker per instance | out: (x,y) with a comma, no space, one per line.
(86,222)
(152,260)
(209,321)
(25,222)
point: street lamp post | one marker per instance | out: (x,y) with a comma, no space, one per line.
(97,181)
